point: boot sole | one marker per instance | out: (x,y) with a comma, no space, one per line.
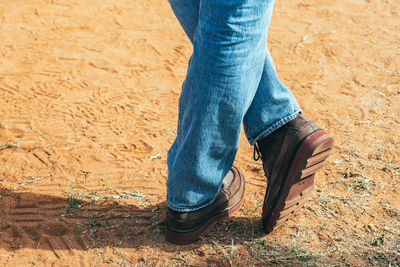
(299,184)
(190,237)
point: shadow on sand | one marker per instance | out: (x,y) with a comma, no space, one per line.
(64,224)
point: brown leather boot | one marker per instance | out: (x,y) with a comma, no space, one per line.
(291,156)
(187,227)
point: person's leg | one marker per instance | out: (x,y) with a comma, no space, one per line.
(229,52)
(182,227)
(273,105)
(292,148)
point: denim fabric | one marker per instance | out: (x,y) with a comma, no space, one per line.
(231,79)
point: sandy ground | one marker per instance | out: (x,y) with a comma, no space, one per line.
(88,109)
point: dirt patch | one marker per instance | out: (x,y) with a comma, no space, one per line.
(88,107)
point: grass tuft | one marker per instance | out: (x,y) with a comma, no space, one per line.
(74,204)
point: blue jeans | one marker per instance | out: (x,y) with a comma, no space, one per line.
(231,79)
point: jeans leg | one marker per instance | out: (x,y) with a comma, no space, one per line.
(187,13)
(224,72)
(273,105)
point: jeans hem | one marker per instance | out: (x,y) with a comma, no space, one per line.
(275,126)
(190,209)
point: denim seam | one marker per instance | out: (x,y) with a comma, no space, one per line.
(274,126)
(189,209)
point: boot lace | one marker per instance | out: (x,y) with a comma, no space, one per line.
(256,152)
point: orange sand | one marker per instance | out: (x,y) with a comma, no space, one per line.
(88,110)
